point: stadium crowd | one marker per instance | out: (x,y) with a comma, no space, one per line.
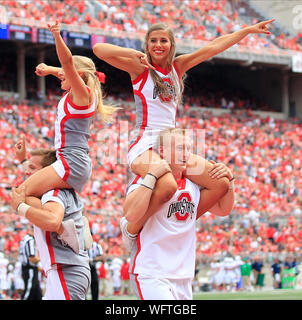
(265,155)
(194,20)
(211,94)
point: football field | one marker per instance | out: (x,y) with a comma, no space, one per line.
(293,294)
(256,295)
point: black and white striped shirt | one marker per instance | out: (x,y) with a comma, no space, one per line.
(95,251)
(27,249)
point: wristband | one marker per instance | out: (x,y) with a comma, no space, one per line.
(23,161)
(152,175)
(128,239)
(149,181)
(124,224)
(23,208)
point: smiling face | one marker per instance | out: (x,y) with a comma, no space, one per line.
(181,149)
(176,149)
(159,46)
(65,85)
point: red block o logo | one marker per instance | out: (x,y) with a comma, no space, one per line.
(167,98)
(184,198)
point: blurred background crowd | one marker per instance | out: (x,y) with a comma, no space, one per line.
(265,156)
(194,20)
(264,153)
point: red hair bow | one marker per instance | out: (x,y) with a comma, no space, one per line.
(101,76)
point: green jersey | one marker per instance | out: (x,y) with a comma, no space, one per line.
(246,269)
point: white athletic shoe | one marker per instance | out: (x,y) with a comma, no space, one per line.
(87,234)
(129,239)
(70,235)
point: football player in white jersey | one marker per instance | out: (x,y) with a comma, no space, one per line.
(163,245)
(3,275)
(215,267)
(157,79)
(238,278)
(75,113)
(230,278)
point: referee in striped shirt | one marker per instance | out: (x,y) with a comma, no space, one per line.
(29,260)
(95,254)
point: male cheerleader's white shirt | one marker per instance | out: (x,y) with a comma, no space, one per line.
(165,247)
(153,110)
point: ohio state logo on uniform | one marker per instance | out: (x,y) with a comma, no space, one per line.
(182,208)
(169,84)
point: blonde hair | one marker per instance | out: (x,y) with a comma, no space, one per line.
(159,83)
(168,132)
(87,66)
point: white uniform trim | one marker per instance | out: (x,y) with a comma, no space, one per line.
(154,113)
(56,288)
(41,235)
(66,111)
(169,236)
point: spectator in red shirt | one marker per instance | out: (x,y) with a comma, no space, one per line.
(103,277)
(125,277)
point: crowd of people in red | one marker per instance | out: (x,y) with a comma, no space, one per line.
(211,95)
(68,12)
(264,154)
(199,20)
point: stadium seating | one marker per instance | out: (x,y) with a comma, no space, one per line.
(68,12)
(199,20)
(263,153)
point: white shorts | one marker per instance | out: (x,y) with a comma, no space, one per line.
(116,279)
(149,288)
(3,282)
(19,283)
(143,140)
(229,278)
(217,279)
